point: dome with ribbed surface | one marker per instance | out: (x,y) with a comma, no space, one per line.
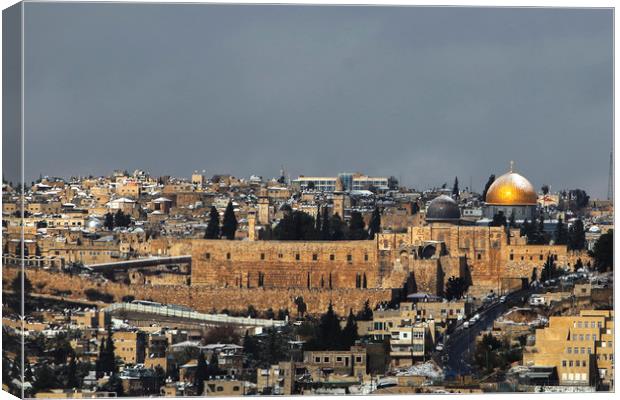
(443,208)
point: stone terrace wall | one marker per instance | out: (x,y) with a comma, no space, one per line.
(205,299)
(284,264)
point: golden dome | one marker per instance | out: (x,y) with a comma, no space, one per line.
(511,189)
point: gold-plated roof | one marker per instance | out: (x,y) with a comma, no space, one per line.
(511,189)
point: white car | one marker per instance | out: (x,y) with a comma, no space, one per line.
(502,299)
(466,324)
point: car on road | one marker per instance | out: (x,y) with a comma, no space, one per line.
(502,299)
(466,324)
(439,347)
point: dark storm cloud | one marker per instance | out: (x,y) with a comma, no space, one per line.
(424,94)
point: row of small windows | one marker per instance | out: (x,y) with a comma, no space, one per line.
(592,324)
(315,257)
(571,363)
(317,359)
(575,350)
(540,257)
(584,337)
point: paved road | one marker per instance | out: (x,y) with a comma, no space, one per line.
(461,345)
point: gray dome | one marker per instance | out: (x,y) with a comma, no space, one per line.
(443,208)
(94,223)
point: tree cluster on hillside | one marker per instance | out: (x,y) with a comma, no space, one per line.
(576,236)
(330,336)
(116,220)
(603,252)
(228,227)
(455,288)
(298,225)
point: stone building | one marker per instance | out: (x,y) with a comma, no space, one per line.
(580,347)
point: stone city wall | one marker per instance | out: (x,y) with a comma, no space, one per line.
(204,299)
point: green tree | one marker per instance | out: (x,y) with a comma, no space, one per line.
(578,264)
(336,228)
(534,276)
(201,375)
(549,270)
(603,252)
(325,234)
(576,236)
(296,225)
(301,306)
(349,333)
(499,219)
(512,222)
(229,223)
(374,227)
(545,189)
(329,331)
(366,313)
(561,233)
(357,228)
(455,188)
(487,186)
(213,226)
(108,221)
(455,288)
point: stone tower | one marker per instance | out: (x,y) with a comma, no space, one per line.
(263,207)
(252,225)
(338,199)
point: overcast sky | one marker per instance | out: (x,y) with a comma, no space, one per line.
(424,94)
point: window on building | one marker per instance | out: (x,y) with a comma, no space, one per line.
(326,359)
(297,256)
(317,359)
(349,258)
(479,256)
(540,257)
(279,255)
(236,388)
(339,359)
(262,256)
(365,257)
(564,363)
(220,388)
(512,257)
(358,359)
(315,257)
(228,256)
(570,363)
(569,350)
(332,257)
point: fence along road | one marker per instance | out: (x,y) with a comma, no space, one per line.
(168,311)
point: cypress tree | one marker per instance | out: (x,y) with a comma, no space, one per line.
(357,229)
(325,233)
(455,188)
(349,333)
(561,233)
(336,227)
(229,224)
(486,187)
(576,236)
(202,373)
(213,226)
(375,224)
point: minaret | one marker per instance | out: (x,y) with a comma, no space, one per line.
(263,207)
(338,199)
(252,225)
